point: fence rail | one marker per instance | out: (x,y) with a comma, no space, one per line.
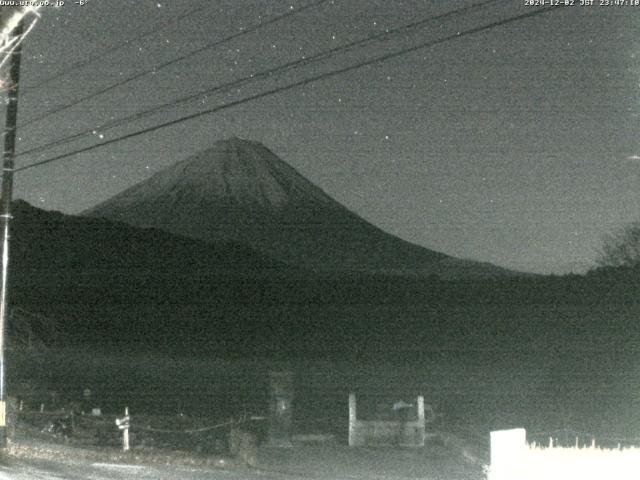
(65,423)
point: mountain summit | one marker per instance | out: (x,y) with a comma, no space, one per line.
(240,191)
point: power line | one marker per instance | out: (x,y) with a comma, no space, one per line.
(235,83)
(136,76)
(299,83)
(267,73)
(110,49)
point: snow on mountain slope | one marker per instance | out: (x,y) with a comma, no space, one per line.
(240,191)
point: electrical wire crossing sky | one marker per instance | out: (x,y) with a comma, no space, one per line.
(488,130)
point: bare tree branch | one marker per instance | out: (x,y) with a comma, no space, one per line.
(621,248)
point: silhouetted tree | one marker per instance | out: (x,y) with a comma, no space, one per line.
(621,248)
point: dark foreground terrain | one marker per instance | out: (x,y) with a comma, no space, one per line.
(196,337)
(472,392)
(30,459)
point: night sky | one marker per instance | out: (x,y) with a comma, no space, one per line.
(518,145)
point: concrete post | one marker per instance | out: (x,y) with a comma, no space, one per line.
(280,409)
(352,419)
(125,431)
(421,422)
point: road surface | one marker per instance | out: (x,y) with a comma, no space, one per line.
(26,469)
(310,463)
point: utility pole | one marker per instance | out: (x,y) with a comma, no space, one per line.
(5,214)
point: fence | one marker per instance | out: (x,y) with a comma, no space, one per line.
(407,432)
(513,458)
(170,432)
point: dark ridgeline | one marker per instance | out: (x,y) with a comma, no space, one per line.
(240,255)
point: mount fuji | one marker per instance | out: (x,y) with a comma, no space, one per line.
(239,191)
